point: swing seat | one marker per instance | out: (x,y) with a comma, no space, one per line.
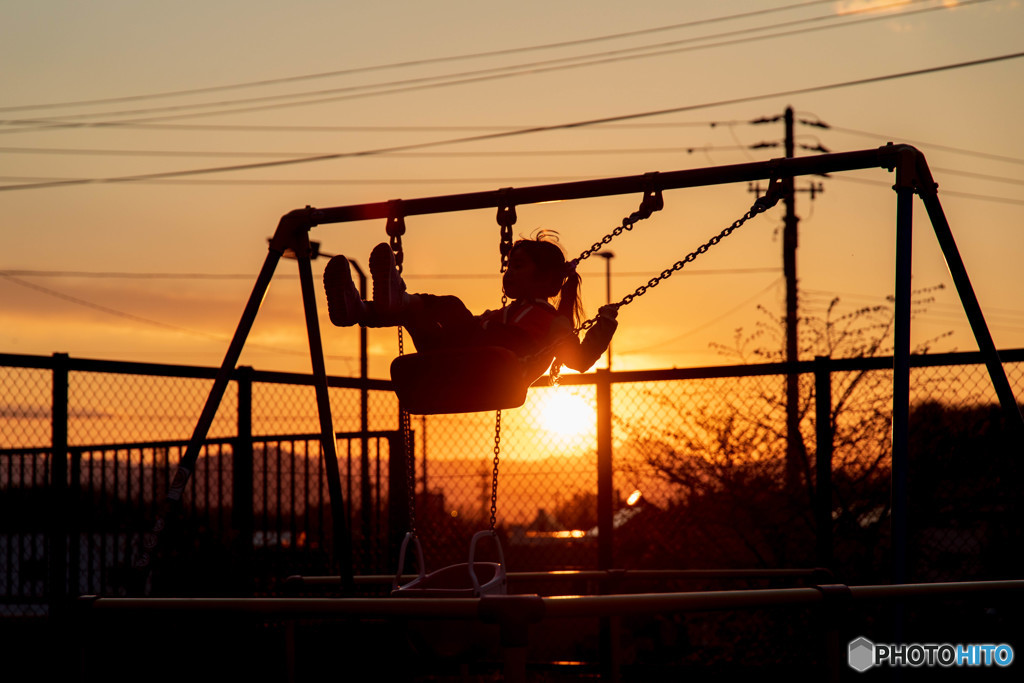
(470,579)
(463,380)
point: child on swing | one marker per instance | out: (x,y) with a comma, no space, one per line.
(530,326)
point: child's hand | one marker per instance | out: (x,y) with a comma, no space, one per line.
(609,311)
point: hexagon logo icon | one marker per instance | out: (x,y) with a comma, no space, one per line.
(861,654)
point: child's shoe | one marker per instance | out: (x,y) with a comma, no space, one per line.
(388,286)
(344,306)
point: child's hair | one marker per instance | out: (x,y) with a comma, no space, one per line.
(545,251)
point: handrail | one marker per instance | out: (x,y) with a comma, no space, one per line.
(819,574)
(556,607)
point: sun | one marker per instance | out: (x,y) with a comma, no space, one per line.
(566,414)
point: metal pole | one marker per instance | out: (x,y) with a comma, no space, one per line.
(608,628)
(789,246)
(366,510)
(60,514)
(151,541)
(901,367)
(328,443)
(242,507)
(881,157)
(605,492)
(823,457)
(968,299)
(608,256)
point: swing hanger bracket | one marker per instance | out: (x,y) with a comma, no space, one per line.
(506,219)
(652,201)
(772,196)
(395,228)
(506,208)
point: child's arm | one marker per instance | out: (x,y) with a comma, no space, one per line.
(581,355)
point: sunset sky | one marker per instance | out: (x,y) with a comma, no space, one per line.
(123,237)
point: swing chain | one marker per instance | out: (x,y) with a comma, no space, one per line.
(651,202)
(494,471)
(395,228)
(762,204)
(410,457)
(410,467)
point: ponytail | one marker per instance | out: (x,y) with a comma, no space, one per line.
(570,303)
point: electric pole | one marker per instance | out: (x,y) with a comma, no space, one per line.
(795,450)
(794,441)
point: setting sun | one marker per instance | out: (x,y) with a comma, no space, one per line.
(567,414)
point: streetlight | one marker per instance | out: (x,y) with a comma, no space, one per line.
(608,256)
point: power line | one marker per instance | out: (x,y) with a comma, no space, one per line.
(521,132)
(72,151)
(944,192)
(139,319)
(706,324)
(285,182)
(419,62)
(947,148)
(980,176)
(463,78)
(418,128)
(133,276)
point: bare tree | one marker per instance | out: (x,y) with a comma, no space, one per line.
(723,451)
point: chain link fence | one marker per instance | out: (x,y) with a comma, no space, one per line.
(703,477)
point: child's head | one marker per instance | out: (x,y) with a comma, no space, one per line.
(538,269)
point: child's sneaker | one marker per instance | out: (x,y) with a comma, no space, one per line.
(388,286)
(344,306)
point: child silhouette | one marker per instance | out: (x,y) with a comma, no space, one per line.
(530,326)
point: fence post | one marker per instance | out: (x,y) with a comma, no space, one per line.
(609,626)
(823,457)
(57,537)
(605,493)
(399,496)
(242,470)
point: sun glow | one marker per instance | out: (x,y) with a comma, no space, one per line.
(567,414)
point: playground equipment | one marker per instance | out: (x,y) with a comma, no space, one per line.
(912,176)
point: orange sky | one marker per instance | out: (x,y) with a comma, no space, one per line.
(160,270)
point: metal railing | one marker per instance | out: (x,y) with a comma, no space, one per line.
(70,488)
(513,618)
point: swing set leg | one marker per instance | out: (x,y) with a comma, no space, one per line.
(292,233)
(328,444)
(172,502)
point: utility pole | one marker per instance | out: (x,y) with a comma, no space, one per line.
(794,441)
(795,450)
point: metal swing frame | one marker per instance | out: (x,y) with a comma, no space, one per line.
(912,176)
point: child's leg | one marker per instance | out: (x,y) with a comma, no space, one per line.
(344,305)
(440,322)
(389,295)
(433,321)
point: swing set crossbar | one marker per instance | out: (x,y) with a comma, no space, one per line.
(882,157)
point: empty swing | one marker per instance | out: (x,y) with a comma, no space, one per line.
(485,378)
(467,579)
(471,578)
